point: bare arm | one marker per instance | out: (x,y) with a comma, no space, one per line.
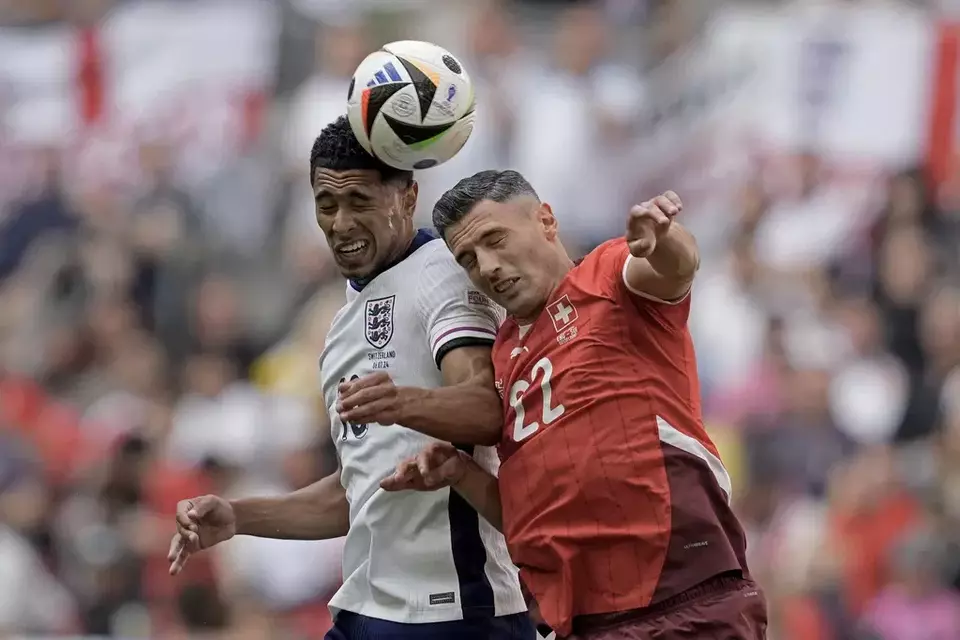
(443,465)
(663,255)
(668,272)
(316,512)
(466,410)
(481,490)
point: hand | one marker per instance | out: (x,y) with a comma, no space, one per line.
(439,465)
(201,523)
(649,221)
(372,398)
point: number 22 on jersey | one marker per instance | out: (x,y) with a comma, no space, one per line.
(541,373)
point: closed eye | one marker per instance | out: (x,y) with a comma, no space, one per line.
(466,261)
(360,199)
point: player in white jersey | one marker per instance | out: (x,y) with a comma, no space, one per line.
(415,565)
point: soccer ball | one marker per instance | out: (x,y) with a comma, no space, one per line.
(411,105)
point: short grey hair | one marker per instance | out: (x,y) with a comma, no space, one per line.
(498,186)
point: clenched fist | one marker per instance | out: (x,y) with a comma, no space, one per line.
(649,221)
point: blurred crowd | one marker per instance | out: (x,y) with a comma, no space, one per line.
(159,334)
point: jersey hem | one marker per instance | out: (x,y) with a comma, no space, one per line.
(457,343)
(421,616)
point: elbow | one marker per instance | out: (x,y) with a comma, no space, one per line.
(488,428)
(689,264)
(487,432)
(687,270)
(490,436)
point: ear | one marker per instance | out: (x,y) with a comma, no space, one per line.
(548,222)
(409,202)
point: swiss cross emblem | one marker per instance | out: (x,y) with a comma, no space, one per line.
(562,313)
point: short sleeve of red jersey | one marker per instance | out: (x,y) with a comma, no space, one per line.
(606,265)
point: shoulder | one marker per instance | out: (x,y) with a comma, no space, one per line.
(612,252)
(603,271)
(506,332)
(602,268)
(442,281)
(343,314)
(435,263)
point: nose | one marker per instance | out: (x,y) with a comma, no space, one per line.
(487,264)
(343,221)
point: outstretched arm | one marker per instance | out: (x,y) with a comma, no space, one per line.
(316,512)
(443,465)
(664,256)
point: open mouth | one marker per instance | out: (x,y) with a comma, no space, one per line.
(352,248)
(504,285)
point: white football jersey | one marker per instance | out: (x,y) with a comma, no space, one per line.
(412,556)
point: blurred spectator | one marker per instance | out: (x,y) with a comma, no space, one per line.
(38,215)
(321,98)
(918,603)
(572,134)
(500,69)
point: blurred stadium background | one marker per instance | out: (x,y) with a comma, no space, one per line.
(164,291)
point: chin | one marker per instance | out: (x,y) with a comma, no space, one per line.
(354,272)
(521,307)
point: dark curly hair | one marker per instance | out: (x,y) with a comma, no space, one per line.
(337,149)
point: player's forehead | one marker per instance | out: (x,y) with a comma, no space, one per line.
(485,217)
(336,183)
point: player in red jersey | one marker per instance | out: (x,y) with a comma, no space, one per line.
(613,499)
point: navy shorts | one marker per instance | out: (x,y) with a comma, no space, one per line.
(351,626)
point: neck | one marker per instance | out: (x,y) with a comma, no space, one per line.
(404,241)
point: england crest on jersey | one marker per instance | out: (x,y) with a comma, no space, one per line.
(378,320)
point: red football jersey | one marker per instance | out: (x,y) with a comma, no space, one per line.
(614,497)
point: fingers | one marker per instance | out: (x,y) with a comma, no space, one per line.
(664,205)
(176,543)
(654,211)
(179,562)
(369,380)
(433,467)
(366,410)
(187,539)
(403,478)
(642,248)
(661,210)
(367,399)
(674,199)
(178,554)
(649,220)
(189,513)
(424,472)
(201,507)
(436,454)
(187,520)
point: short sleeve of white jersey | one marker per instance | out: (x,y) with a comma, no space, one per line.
(454,313)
